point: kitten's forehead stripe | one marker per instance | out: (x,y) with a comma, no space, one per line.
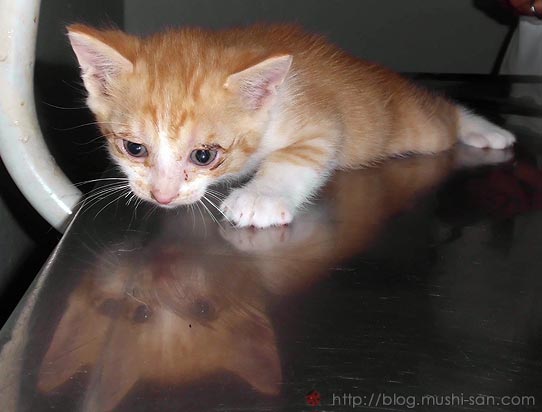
(195,84)
(183,117)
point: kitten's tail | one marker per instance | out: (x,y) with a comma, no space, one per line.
(474,130)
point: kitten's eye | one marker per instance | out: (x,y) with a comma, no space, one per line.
(203,157)
(142,314)
(203,310)
(135,149)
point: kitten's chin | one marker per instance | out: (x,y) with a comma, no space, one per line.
(179,201)
(168,206)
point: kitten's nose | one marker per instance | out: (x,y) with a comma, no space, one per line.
(162,198)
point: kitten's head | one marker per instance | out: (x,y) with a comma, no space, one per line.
(180,110)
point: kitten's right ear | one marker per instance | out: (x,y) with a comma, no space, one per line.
(99,56)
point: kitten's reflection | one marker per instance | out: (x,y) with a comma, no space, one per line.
(167,317)
(188,306)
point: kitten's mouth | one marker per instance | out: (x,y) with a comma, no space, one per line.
(166,206)
(179,201)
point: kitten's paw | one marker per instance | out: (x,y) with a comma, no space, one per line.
(245,207)
(478,132)
(494,139)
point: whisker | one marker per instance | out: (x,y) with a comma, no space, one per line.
(216,192)
(85,208)
(135,199)
(130,199)
(103,179)
(113,201)
(217,197)
(138,202)
(202,218)
(104,189)
(89,201)
(150,212)
(95,202)
(100,137)
(81,87)
(191,207)
(64,108)
(213,217)
(218,209)
(102,192)
(90,124)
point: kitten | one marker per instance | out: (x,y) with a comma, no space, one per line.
(188,108)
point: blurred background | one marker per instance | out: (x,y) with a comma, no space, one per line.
(416,36)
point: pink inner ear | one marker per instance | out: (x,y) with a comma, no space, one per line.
(258,84)
(256,93)
(99,62)
(88,56)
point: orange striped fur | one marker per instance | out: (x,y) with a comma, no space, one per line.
(272,99)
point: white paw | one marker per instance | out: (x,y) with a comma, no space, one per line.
(496,138)
(478,132)
(245,207)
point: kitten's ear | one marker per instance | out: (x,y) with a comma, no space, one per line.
(258,84)
(252,354)
(100,55)
(72,346)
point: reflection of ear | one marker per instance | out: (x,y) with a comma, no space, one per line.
(81,339)
(253,355)
(118,369)
(259,83)
(99,56)
(76,342)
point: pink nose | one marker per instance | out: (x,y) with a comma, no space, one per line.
(162,198)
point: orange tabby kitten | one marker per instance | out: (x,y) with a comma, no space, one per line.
(188,108)
(169,313)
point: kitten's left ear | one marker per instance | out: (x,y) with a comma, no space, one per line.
(252,354)
(101,55)
(258,84)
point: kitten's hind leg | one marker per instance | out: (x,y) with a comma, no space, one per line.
(284,181)
(478,132)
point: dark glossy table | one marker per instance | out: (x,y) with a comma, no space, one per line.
(415,285)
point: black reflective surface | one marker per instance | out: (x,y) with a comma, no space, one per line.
(401,287)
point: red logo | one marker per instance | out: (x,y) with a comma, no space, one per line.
(313,398)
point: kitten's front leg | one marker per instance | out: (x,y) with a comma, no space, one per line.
(283,182)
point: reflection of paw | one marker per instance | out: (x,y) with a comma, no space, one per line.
(245,207)
(253,240)
(467,156)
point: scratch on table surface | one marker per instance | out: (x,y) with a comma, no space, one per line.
(330,348)
(251,409)
(76,348)
(351,378)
